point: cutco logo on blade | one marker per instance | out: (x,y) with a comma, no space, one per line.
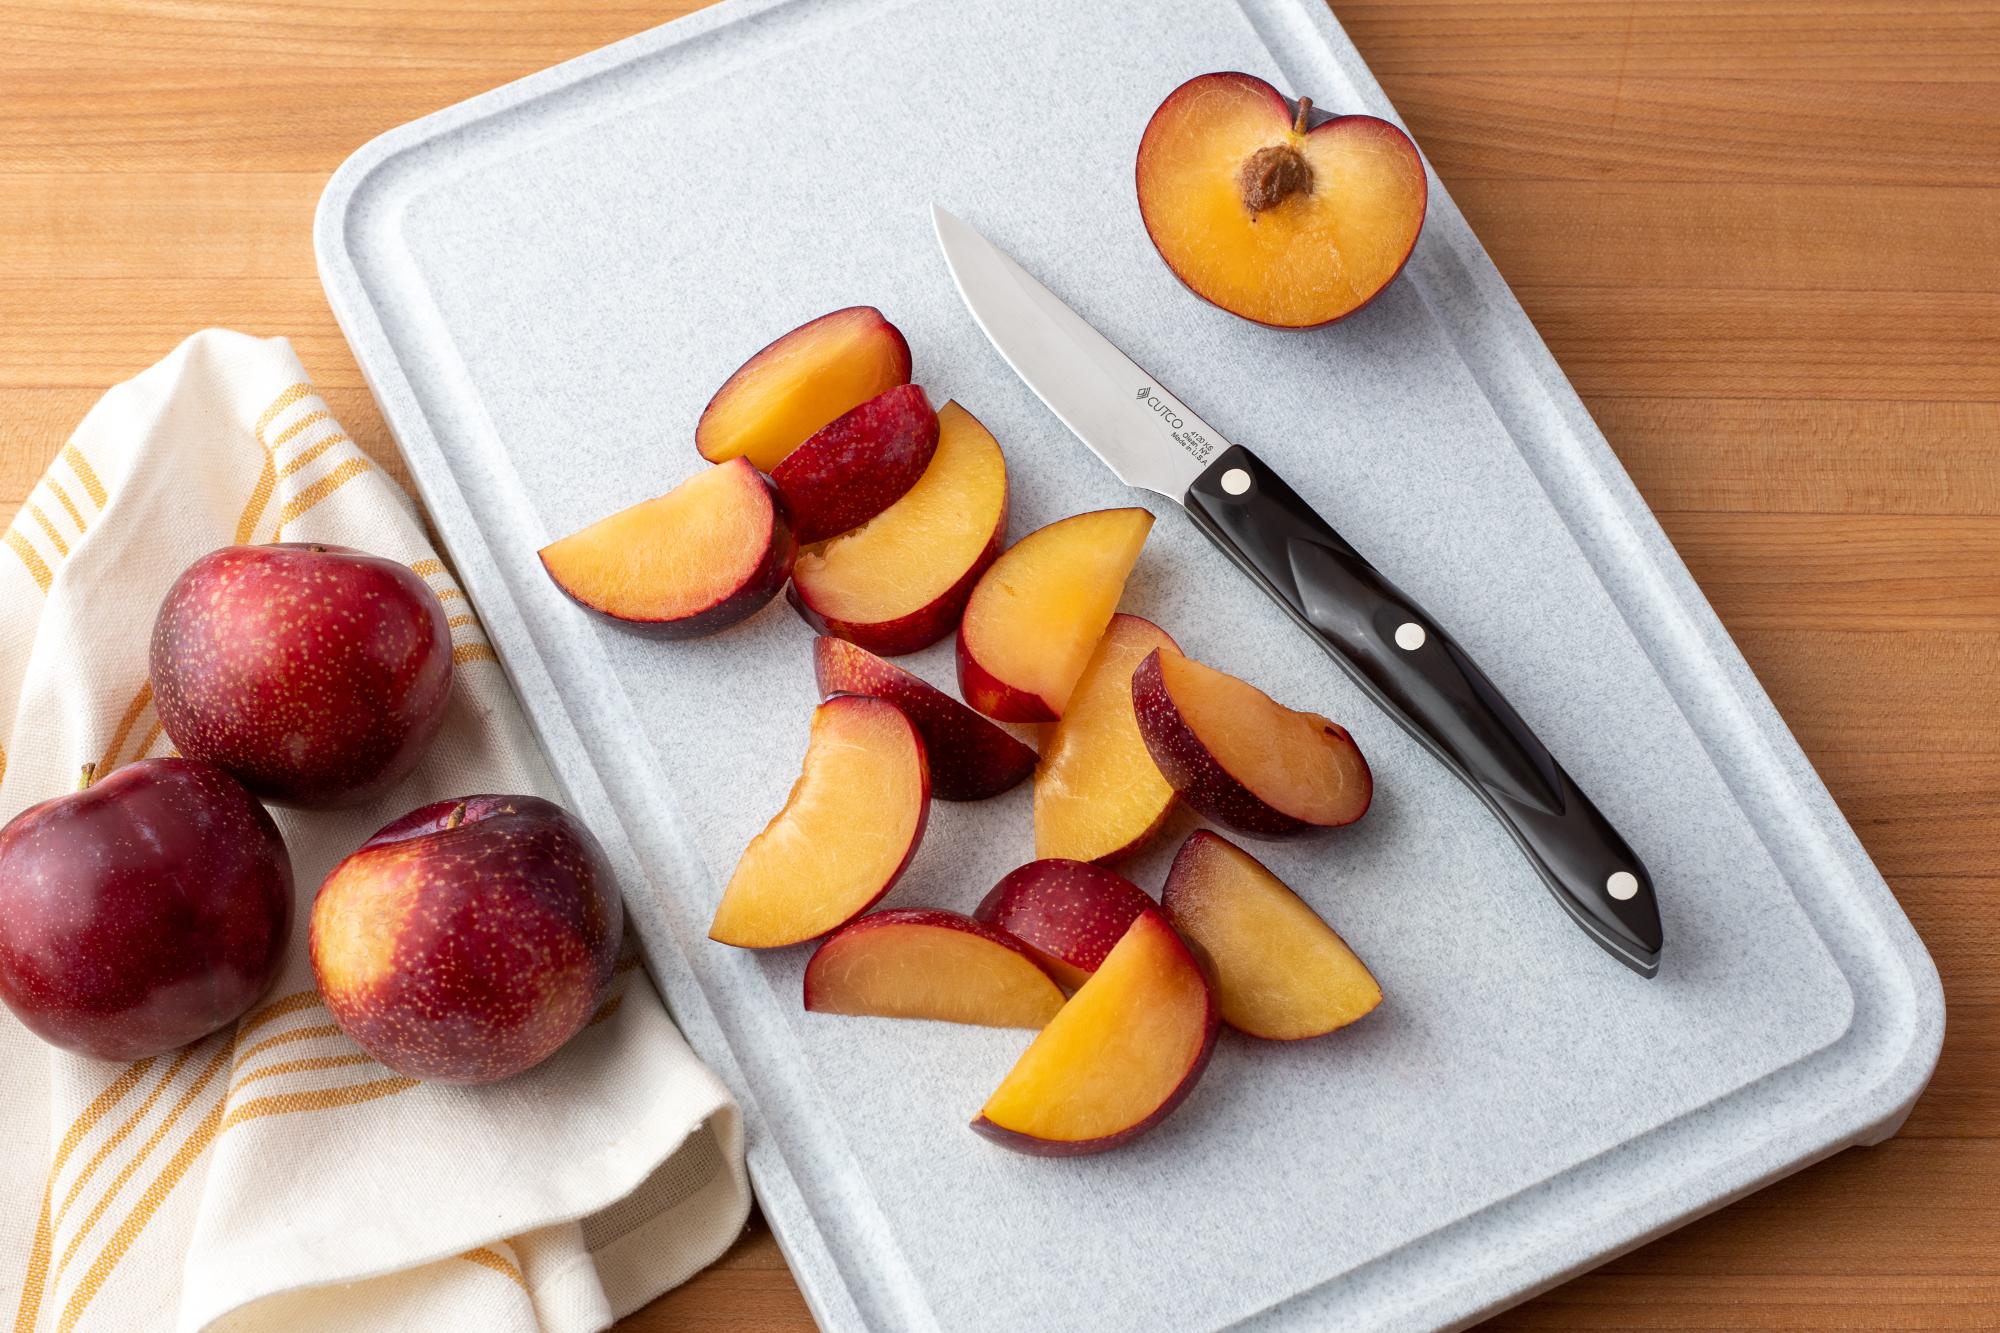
(1193,441)
(1153,400)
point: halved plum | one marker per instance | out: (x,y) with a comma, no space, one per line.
(1269,218)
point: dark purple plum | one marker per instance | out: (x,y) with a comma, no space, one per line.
(142,912)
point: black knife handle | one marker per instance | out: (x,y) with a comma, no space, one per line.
(1419,675)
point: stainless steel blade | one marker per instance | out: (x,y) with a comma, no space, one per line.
(1142,432)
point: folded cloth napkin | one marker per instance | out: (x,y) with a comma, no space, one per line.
(273,1176)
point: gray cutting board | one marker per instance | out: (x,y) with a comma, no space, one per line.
(545,284)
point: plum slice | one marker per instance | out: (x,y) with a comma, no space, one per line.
(1098,794)
(846,834)
(1119,1057)
(858,464)
(900,581)
(1240,758)
(924,963)
(1280,972)
(970,758)
(1037,614)
(775,401)
(707,554)
(1069,914)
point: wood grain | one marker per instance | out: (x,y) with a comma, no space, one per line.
(1762,236)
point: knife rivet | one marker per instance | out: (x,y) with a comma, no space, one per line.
(1236,481)
(1622,885)
(1409,636)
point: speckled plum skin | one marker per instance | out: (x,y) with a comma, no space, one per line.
(142,913)
(858,464)
(316,675)
(1068,913)
(970,758)
(468,940)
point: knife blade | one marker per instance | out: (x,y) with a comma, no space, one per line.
(1400,657)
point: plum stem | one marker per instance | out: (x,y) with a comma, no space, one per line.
(1299,121)
(89,776)
(456,817)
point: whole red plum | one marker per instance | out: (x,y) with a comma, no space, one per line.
(468,940)
(315,674)
(143,912)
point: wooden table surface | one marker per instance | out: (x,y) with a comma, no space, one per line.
(1762,238)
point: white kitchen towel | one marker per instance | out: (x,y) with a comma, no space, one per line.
(273,1176)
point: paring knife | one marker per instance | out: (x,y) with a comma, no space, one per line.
(1398,655)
